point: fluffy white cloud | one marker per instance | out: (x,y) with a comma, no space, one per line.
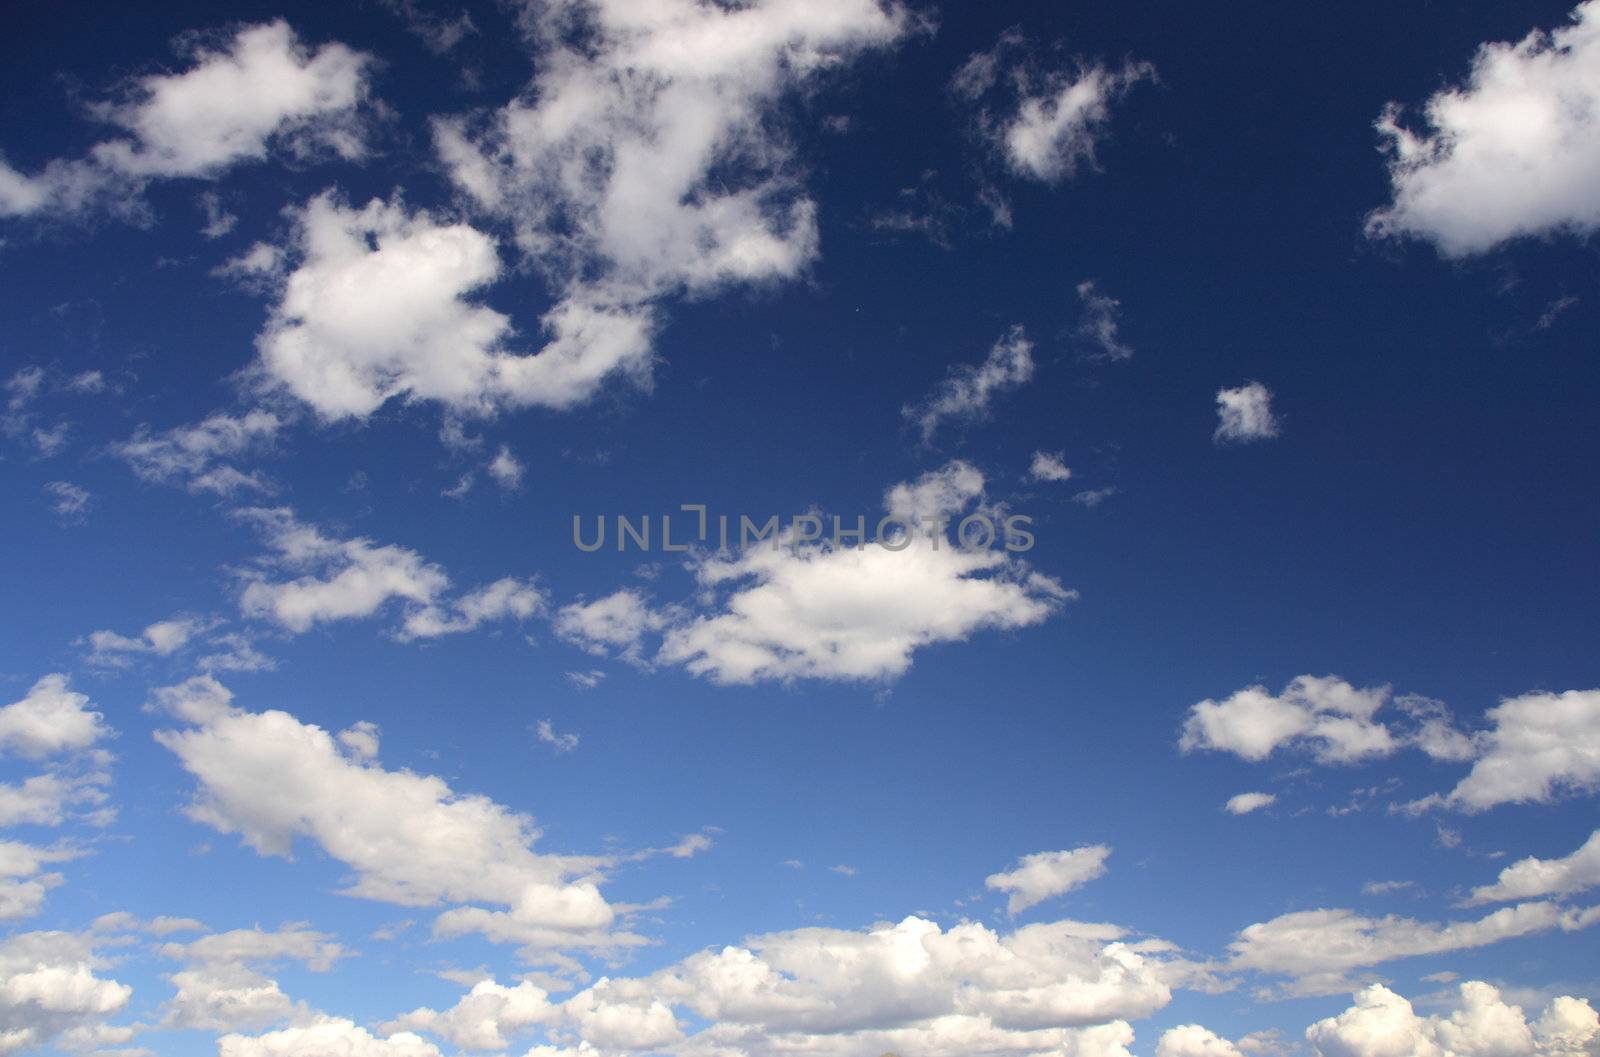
(226,996)
(1192,1040)
(49,719)
(645,156)
(484,1019)
(1383,1024)
(1533,878)
(616,623)
(1538,746)
(409,838)
(23,882)
(344,579)
(379,307)
(163,639)
(965,395)
(1316,948)
(1064,989)
(193,455)
(1245,414)
(1244,803)
(1515,151)
(506,469)
(325,1035)
(1324,714)
(1048,466)
(233,104)
(1048,874)
(816,610)
(48,987)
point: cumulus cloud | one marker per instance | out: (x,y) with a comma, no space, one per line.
(1245,414)
(1538,747)
(1064,989)
(1048,874)
(1512,152)
(1316,949)
(1244,803)
(379,306)
(1049,466)
(969,390)
(109,649)
(194,456)
(615,624)
(1192,1040)
(1534,878)
(506,599)
(49,988)
(817,610)
(409,839)
(238,101)
(48,720)
(1324,715)
(325,1035)
(1383,1024)
(506,469)
(1046,124)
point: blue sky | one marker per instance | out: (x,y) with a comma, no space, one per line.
(320,736)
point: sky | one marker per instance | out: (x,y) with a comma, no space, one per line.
(799,528)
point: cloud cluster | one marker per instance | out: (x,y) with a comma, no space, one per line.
(193,456)
(49,990)
(1513,152)
(1383,1024)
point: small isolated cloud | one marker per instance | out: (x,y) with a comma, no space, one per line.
(68,501)
(1048,874)
(1244,803)
(506,469)
(1045,123)
(193,456)
(1048,466)
(1245,414)
(969,390)
(49,719)
(1101,323)
(1512,152)
(1535,878)
(586,680)
(1093,497)
(559,742)
(108,649)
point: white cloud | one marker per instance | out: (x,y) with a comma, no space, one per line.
(560,742)
(378,307)
(1383,1024)
(1245,414)
(68,501)
(1244,803)
(965,395)
(1539,746)
(802,610)
(506,599)
(48,720)
(506,469)
(1316,948)
(192,455)
(616,623)
(687,186)
(1101,321)
(1048,466)
(1513,152)
(1323,714)
(324,1035)
(1052,126)
(410,839)
(1192,1040)
(23,882)
(586,680)
(1064,989)
(163,639)
(45,799)
(233,104)
(1533,878)
(226,997)
(316,950)
(1048,874)
(48,987)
